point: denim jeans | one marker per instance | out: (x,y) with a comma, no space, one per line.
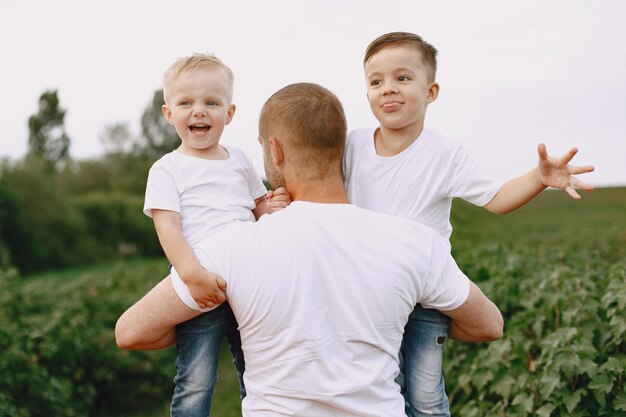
(421,358)
(198,341)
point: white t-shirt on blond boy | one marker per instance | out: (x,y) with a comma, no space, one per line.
(208,194)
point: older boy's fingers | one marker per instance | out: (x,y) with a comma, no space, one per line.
(542,151)
(582,170)
(572,193)
(582,185)
(569,155)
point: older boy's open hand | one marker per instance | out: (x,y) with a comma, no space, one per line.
(207,289)
(278,199)
(558,173)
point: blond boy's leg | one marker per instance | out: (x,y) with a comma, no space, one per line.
(150,322)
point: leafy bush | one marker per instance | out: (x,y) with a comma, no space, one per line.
(57,351)
(562,352)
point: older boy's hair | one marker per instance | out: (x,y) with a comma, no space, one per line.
(192,62)
(428,52)
(311,120)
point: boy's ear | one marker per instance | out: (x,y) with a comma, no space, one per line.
(433,92)
(167,113)
(276,150)
(230,113)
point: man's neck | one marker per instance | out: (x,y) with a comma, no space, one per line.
(323,191)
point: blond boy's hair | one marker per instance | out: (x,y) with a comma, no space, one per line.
(427,51)
(310,119)
(192,62)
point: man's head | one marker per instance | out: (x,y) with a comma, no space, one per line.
(426,52)
(198,92)
(302,129)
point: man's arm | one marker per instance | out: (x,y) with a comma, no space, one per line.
(549,172)
(149,323)
(207,289)
(476,320)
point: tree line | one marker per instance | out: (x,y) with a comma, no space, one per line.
(57,212)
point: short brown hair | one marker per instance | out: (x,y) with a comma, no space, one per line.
(193,62)
(312,122)
(428,52)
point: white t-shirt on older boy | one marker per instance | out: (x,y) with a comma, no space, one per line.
(417,184)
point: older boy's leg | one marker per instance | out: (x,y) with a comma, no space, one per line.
(424,338)
(149,323)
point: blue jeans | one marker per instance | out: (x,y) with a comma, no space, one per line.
(198,341)
(421,358)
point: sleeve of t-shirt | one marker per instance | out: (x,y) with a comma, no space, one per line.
(202,254)
(446,286)
(467,180)
(161,191)
(255,184)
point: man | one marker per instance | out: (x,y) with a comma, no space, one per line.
(321,289)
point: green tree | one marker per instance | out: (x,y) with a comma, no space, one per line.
(47,137)
(160,137)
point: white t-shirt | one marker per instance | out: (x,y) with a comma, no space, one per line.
(417,184)
(208,194)
(322,293)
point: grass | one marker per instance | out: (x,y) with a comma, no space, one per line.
(597,223)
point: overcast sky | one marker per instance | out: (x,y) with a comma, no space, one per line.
(512,74)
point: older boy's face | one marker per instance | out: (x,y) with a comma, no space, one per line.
(398,87)
(199,107)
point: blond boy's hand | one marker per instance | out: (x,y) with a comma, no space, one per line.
(278,199)
(207,289)
(557,173)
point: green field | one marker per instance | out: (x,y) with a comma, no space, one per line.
(556,269)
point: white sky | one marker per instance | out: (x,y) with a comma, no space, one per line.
(512,74)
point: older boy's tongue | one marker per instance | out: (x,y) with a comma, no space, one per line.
(391,106)
(199,128)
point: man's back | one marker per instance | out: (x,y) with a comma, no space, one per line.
(321,293)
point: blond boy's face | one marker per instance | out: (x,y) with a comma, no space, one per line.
(398,88)
(198,106)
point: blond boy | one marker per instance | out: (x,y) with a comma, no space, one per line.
(191,193)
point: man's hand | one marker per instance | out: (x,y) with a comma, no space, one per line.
(557,173)
(207,289)
(278,199)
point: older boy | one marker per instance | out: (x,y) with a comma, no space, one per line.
(191,193)
(402,169)
(320,329)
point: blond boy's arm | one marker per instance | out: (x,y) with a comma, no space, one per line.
(272,201)
(549,172)
(206,288)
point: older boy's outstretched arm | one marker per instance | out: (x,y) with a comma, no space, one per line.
(549,172)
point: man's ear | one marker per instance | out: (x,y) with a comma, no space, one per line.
(167,113)
(276,150)
(433,92)
(230,113)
